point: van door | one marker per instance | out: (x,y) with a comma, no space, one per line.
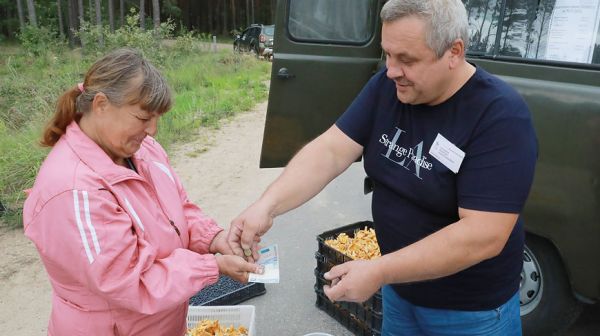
(324,52)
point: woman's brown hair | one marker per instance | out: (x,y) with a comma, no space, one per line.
(125,77)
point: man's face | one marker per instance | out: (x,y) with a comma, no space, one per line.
(420,77)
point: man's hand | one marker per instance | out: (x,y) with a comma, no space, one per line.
(236,267)
(245,231)
(354,281)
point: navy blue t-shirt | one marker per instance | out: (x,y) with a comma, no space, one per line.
(416,195)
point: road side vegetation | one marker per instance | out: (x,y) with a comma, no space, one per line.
(208,86)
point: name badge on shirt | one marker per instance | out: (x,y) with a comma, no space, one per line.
(448,154)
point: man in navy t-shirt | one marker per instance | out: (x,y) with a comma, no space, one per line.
(451,150)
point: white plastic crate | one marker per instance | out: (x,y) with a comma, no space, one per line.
(242,315)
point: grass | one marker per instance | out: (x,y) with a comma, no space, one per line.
(207,87)
(210,88)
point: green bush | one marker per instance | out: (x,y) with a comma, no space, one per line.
(189,42)
(129,35)
(38,41)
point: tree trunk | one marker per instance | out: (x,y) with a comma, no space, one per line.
(142,15)
(496,9)
(111,15)
(91,11)
(233,18)
(21,16)
(273,10)
(248,22)
(537,48)
(31,10)
(209,17)
(531,16)
(156,14)
(99,23)
(215,17)
(72,22)
(482,23)
(122,12)
(77,24)
(252,9)
(224,10)
(61,28)
(508,25)
(80,11)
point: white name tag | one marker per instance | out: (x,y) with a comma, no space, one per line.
(448,154)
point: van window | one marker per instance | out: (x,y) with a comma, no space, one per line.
(555,30)
(269,30)
(331,21)
(483,25)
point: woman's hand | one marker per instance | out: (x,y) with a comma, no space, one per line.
(236,267)
(220,244)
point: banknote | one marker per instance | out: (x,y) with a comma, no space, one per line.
(268,258)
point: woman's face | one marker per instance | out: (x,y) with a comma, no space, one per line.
(120,130)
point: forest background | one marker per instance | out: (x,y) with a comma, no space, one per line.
(215,17)
(47,46)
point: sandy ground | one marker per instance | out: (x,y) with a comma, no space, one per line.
(211,168)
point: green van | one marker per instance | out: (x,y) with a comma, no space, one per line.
(549,50)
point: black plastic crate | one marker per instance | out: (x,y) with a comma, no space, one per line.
(361,318)
(328,257)
(227,291)
(357,325)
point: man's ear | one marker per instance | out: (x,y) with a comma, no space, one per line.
(100,102)
(456,53)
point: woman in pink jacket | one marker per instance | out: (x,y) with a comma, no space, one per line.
(123,245)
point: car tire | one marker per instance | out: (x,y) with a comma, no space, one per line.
(548,306)
(236,48)
(255,51)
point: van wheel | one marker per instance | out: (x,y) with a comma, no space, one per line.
(236,48)
(548,306)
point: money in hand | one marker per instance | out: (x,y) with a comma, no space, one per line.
(268,258)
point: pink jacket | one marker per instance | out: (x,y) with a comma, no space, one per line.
(124,252)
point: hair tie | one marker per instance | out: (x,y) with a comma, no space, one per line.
(80,86)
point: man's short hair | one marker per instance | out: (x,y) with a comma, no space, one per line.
(446,20)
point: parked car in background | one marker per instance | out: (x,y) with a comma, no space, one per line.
(548,50)
(257,39)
